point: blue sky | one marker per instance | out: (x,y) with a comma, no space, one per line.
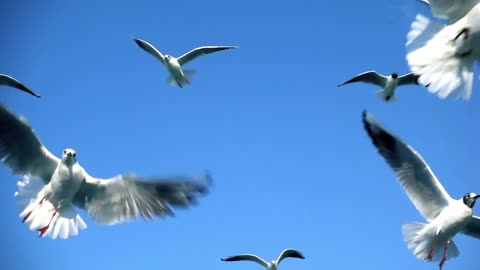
(292,165)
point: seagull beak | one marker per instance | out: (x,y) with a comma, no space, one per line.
(476,197)
(69,154)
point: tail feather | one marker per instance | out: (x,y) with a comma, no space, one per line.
(188,73)
(432,55)
(41,215)
(420,243)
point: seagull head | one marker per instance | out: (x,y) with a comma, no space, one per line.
(168,58)
(69,156)
(394,75)
(470,198)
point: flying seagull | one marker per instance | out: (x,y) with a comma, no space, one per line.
(273,265)
(178,75)
(53,186)
(445,216)
(10,81)
(444,55)
(388,83)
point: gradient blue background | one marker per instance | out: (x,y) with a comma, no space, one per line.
(292,164)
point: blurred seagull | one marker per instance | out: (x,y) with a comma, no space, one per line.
(443,55)
(10,81)
(273,265)
(387,83)
(179,76)
(445,216)
(53,186)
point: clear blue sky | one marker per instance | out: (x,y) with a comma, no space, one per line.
(291,162)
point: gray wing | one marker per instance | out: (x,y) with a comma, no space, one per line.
(413,173)
(292,253)
(21,150)
(127,197)
(149,48)
(472,228)
(246,257)
(371,77)
(452,10)
(189,56)
(10,81)
(409,78)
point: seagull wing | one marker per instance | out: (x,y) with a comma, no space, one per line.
(149,48)
(246,257)
(409,78)
(189,56)
(452,10)
(413,173)
(127,197)
(472,228)
(10,81)
(292,253)
(371,77)
(21,150)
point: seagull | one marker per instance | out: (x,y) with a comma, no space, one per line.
(387,83)
(53,187)
(179,76)
(445,216)
(443,54)
(273,265)
(10,81)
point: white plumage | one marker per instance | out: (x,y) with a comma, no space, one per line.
(52,186)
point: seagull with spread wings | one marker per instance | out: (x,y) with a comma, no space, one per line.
(12,82)
(178,75)
(54,186)
(273,265)
(387,83)
(446,217)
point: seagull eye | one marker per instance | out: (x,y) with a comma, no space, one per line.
(64,151)
(74,154)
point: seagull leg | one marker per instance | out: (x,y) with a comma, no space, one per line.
(36,206)
(442,262)
(43,230)
(430,256)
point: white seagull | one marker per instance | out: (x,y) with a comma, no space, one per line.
(273,265)
(445,216)
(178,75)
(53,186)
(443,55)
(12,82)
(388,84)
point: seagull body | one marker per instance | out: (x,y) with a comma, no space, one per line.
(10,81)
(388,83)
(443,55)
(179,76)
(446,217)
(52,186)
(273,265)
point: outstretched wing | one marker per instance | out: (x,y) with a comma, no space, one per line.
(246,257)
(409,78)
(371,77)
(189,56)
(10,81)
(127,197)
(413,173)
(292,253)
(149,48)
(472,228)
(21,150)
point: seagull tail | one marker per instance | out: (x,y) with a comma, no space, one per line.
(188,74)
(381,95)
(445,66)
(41,215)
(420,243)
